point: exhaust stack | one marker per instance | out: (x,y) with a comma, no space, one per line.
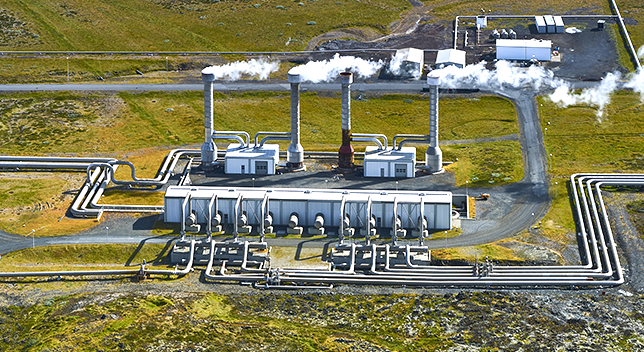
(345,154)
(208,149)
(433,155)
(295,152)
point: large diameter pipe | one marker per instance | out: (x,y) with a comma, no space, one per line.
(208,149)
(345,154)
(433,155)
(295,152)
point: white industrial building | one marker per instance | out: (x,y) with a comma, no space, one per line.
(251,160)
(540,23)
(549,24)
(523,50)
(450,57)
(407,63)
(262,208)
(390,162)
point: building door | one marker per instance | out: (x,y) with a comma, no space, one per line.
(382,172)
(243,169)
(261,167)
(401,170)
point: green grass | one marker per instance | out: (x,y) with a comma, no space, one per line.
(629,9)
(87,254)
(195,26)
(580,143)
(485,164)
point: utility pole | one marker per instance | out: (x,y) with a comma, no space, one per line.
(68,70)
(166,70)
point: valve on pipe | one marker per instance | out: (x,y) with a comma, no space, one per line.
(422,223)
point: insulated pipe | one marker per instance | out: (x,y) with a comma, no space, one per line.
(270,134)
(276,137)
(219,135)
(345,154)
(374,135)
(368,139)
(433,155)
(418,138)
(295,152)
(208,149)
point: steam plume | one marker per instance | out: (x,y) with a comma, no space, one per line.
(233,71)
(327,70)
(536,77)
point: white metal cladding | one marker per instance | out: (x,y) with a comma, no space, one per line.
(383,163)
(244,160)
(308,203)
(540,23)
(519,49)
(559,24)
(550,23)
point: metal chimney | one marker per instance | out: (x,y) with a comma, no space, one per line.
(433,155)
(345,155)
(295,152)
(208,149)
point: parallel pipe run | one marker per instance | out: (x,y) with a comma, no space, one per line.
(271,136)
(345,154)
(384,143)
(603,268)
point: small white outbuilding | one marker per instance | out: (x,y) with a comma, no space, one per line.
(250,160)
(390,162)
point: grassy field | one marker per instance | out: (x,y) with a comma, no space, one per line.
(164,25)
(579,143)
(75,255)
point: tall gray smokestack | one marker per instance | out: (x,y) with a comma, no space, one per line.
(433,155)
(295,152)
(345,155)
(208,149)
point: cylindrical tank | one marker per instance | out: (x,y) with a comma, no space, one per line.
(319,220)
(243,220)
(216,219)
(268,220)
(293,220)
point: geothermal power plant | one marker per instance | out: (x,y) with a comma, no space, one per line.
(377,236)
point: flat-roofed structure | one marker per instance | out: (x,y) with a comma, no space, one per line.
(332,208)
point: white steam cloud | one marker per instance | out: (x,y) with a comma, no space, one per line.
(507,76)
(640,52)
(327,70)
(234,71)
(598,96)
